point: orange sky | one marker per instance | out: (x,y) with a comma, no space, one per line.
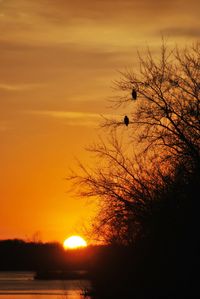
(58,59)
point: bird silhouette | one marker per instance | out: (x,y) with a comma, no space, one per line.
(126,120)
(134,94)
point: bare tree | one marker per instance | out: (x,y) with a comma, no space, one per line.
(126,187)
(165,124)
(166,114)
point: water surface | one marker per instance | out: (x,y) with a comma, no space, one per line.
(21,285)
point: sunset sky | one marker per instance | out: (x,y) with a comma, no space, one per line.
(58,59)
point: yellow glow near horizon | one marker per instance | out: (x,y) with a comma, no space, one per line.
(74,242)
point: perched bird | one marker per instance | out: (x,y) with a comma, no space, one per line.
(173,82)
(134,94)
(126,120)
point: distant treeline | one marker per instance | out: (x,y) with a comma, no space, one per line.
(16,254)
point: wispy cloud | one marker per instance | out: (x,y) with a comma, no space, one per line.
(75,118)
(17,87)
(71,117)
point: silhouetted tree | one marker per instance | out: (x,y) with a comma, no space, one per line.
(147,178)
(166,115)
(164,130)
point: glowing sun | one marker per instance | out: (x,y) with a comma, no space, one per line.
(74,242)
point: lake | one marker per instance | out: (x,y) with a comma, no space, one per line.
(21,285)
